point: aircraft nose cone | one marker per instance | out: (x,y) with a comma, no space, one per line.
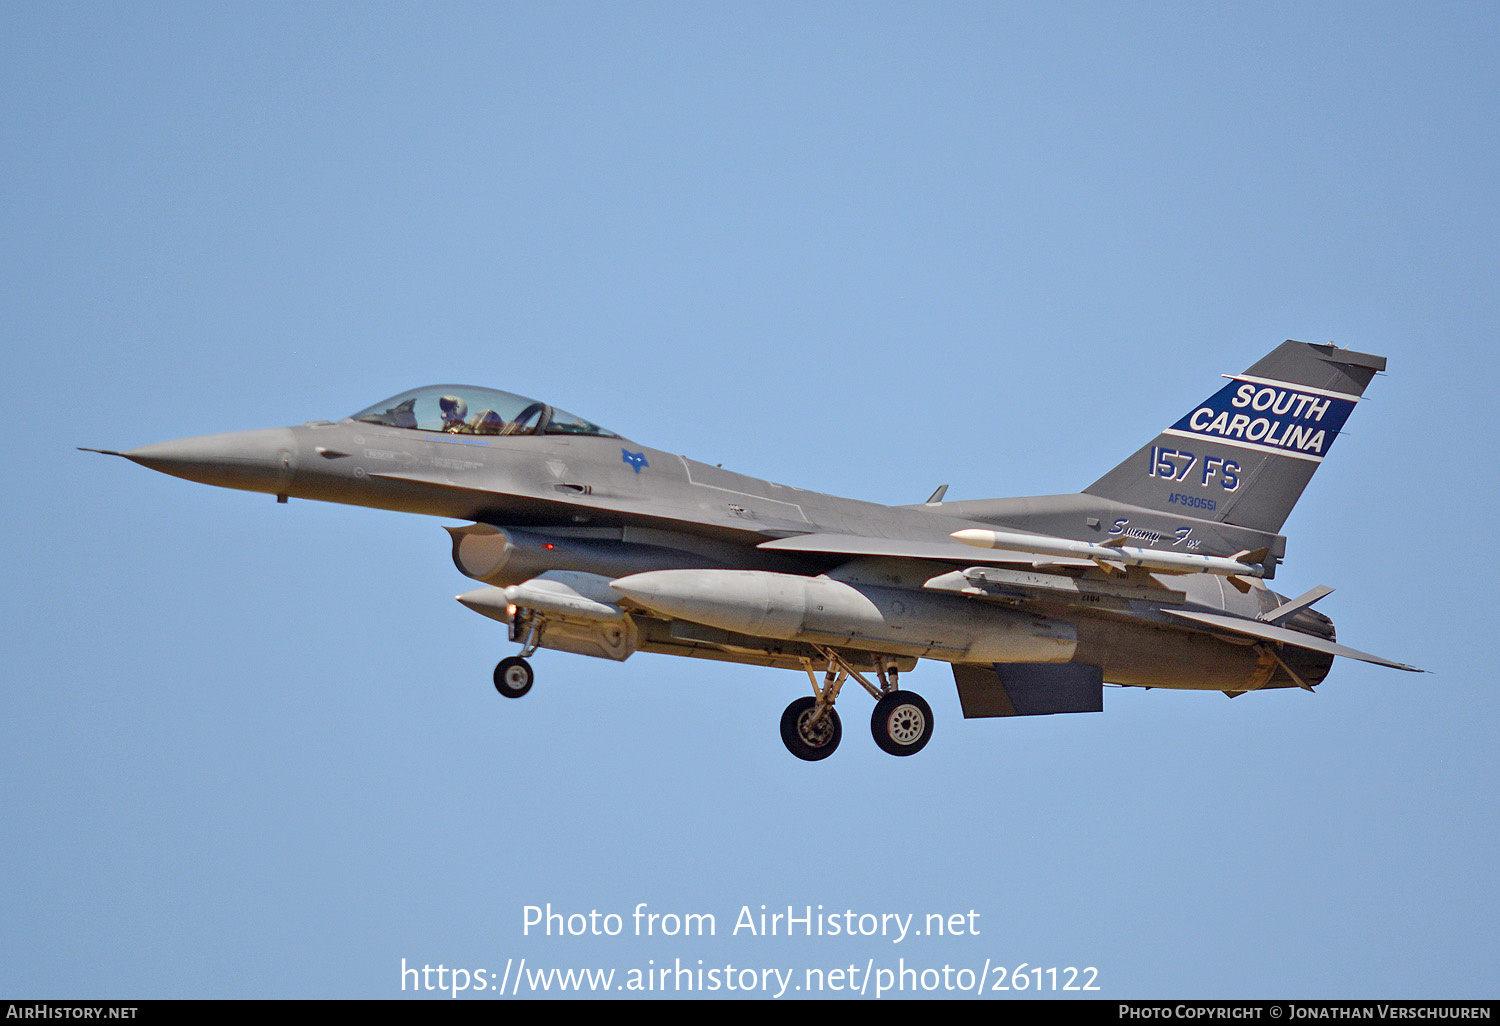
(263,460)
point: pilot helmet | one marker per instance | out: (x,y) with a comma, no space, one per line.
(453,408)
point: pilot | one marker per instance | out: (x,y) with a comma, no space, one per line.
(454,410)
(488,423)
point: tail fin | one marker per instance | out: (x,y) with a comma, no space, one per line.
(1243,455)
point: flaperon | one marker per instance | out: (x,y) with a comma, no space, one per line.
(590,543)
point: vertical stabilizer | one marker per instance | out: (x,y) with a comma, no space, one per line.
(1244,454)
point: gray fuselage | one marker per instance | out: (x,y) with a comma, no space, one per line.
(604,505)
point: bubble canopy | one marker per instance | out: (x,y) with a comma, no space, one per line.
(471,410)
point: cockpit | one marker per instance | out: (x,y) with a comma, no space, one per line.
(470,410)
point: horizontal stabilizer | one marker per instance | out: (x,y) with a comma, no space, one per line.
(1028,689)
(1270,632)
(1284,612)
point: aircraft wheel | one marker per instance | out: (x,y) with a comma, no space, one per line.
(513,677)
(804,740)
(902,723)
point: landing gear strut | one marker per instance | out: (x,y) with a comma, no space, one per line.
(807,735)
(810,728)
(513,676)
(901,724)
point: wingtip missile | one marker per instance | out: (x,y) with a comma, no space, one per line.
(1115,552)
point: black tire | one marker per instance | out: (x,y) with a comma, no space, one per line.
(902,723)
(513,677)
(796,738)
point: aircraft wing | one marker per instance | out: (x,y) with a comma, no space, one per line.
(624,508)
(1270,632)
(901,548)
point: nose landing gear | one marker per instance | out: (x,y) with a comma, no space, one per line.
(513,675)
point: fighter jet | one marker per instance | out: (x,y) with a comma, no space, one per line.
(586,542)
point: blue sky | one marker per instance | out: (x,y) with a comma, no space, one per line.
(253,749)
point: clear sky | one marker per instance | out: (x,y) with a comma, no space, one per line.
(253,750)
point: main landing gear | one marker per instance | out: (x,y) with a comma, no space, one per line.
(902,723)
(811,730)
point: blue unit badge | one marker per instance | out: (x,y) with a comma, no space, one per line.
(1270,416)
(637,460)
